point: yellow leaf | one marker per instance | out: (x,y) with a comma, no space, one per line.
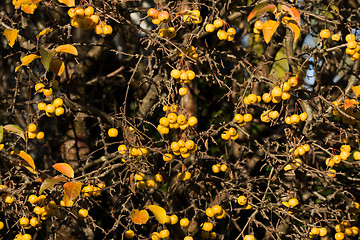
(1,146)
(286,204)
(159,213)
(294,28)
(139,217)
(349,103)
(30,9)
(11,35)
(26,60)
(17,3)
(269,29)
(356,90)
(67,48)
(69,3)
(65,169)
(57,66)
(72,190)
(44,32)
(26,157)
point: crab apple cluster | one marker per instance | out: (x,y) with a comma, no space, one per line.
(133,152)
(243,119)
(345,152)
(258,27)
(183,176)
(192,16)
(352,47)
(6,197)
(147,181)
(43,208)
(55,108)
(169,32)
(243,202)
(230,134)
(174,121)
(297,162)
(228,35)
(183,76)
(158,17)
(215,211)
(354,118)
(216,168)
(318,232)
(296,118)
(183,148)
(269,115)
(300,150)
(85,19)
(189,51)
(91,190)
(345,230)
(33,133)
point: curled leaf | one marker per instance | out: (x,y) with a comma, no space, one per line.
(11,35)
(26,157)
(69,3)
(44,32)
(294,28)
(349,103)
(57,66)
(139,217)
(72,190)
(67,48)
(15,129)
(50,182)
(17,3)
(26,60)
(29,9)
(269,29)
(159,213)
(65,169)
(261,8)
(356,90)
(293,12)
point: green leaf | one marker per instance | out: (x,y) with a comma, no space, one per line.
(46,57)
(1,133)
(15,129)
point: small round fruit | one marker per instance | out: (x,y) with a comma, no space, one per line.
(80,12)
(223,167)
(164,16)
(225,135)
(39,87)
(218,23)
(190,75)
(259,25)
(113,132)
(58,102)
(8,199)
(98,29)
(175,73)
(71,12)
(89,11)
(206,226)
(164,233)
(266,97)
(26,237)
(293,81)
(32,127)
(107,29)
(59,111)
(222,34)
(167,157)
(276,92)
(155,236)
(295,119)
(335,37)
(83,213)
(50,108)
(217,209)
(274,114)
(173,219)
(1,225)
(303,116)
(356,155)
(350,38)
(129,234)
(293,202)
(183,91)
(209,27)
(192,121)
(322,231)
(248,117)
(325,33)
(41,106)
(24,221)
(40,135)
(188,238)
(33,199)
(339,236)
(231,31)
(184,222)
(242,200)
(153,13)
(215,168)
(249,237)
(239,118)
(288,120)
(209,212)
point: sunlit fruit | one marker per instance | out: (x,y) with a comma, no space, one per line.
(129,234)
(325,33)
(83,213)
